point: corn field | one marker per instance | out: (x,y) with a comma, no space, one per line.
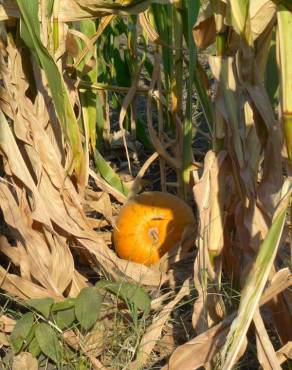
(101,100)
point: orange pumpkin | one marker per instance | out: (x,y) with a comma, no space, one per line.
(149,225)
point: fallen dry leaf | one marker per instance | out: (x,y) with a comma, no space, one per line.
(266,353)
(4,340)
(6,324)
(24,361)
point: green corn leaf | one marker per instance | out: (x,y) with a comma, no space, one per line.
(87,307)
(284,17)
(48,342)
(190,13)
(30,33)
(21,331)
(142,135)
(252,291)
(109,174)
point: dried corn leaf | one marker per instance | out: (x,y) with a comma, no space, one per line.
(204,31)
(285,353)
(209,196)
(10,150)
(71,11)
(266,354)
(262,12)
(200,350)
(22,288)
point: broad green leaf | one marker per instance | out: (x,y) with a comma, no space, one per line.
(65,318)
(48,342)
(34,347)
(87,307)
(64,305)
(43,305)
(131,294)
(252,291)
(30,33)
(109,174)
(21,331)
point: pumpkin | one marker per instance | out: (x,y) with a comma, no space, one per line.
(149,225)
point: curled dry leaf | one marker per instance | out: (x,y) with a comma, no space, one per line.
(6,324)
(4,340)
(285,353)
(24,361)
(100,202)
(93,343)
(204,31)
(209,197)
(72,339)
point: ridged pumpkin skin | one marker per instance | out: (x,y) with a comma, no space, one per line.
(149,225)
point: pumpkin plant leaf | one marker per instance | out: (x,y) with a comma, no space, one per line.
(64,305)
(130,293)
(65,318)
(43,305)
(48,342)
(87,307)
(34,347)
(21,331)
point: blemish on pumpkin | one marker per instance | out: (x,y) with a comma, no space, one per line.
(153,233)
